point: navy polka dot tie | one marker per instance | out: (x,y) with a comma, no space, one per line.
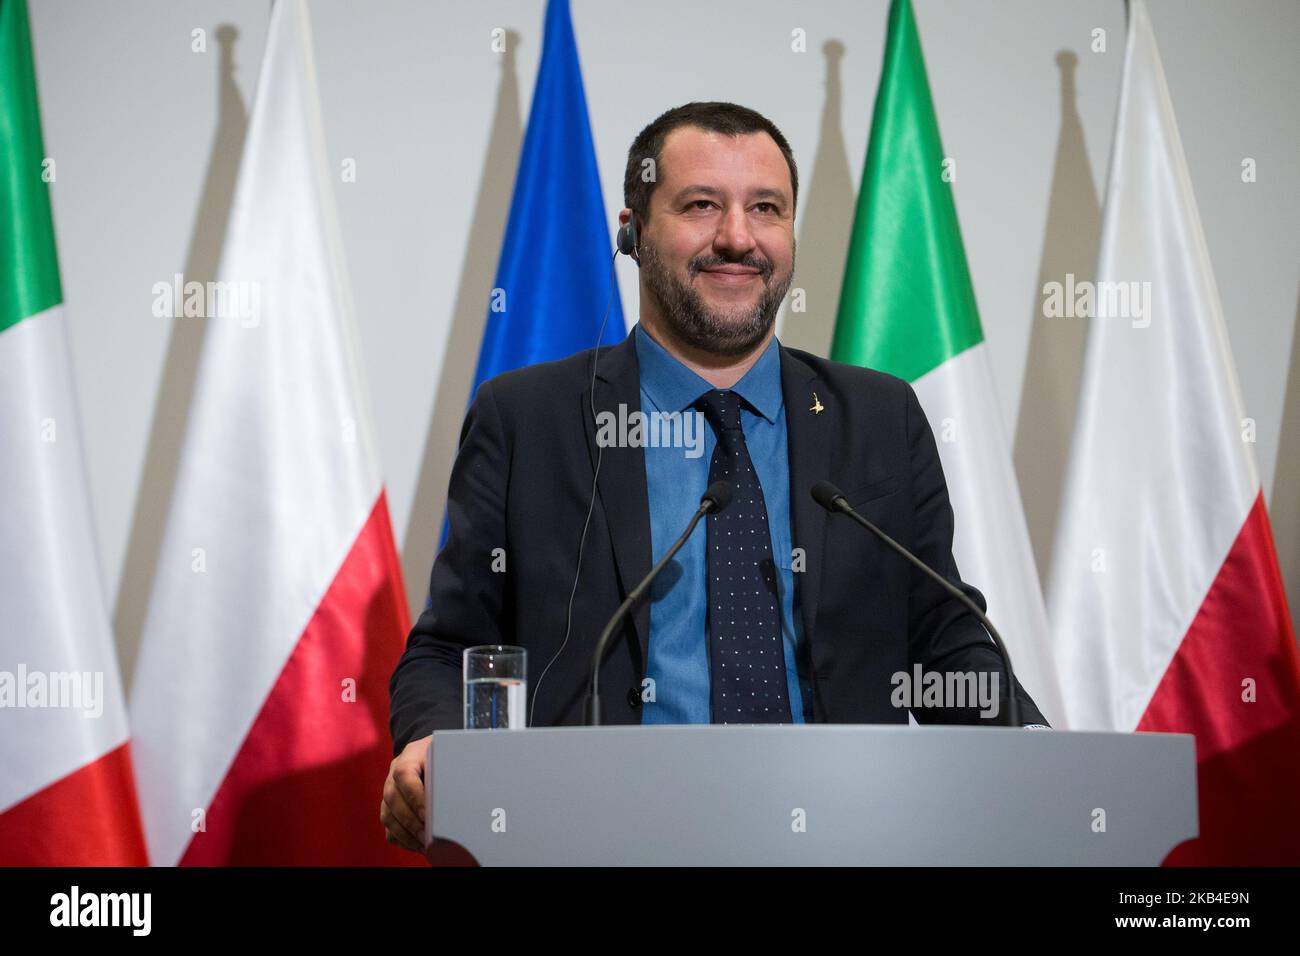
(746,655)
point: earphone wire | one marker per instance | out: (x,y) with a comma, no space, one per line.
(591,504)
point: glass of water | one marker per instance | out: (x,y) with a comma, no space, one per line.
(496,687)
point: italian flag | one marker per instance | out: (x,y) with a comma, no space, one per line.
(67,797)
(260,701)
(908,308)
(1165,598)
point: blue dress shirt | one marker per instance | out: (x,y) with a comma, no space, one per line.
(677,474)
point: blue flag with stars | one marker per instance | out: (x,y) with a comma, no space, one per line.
(553,280)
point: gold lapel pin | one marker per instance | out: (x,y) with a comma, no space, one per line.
(817,406)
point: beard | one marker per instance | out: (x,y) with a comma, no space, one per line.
(727,333)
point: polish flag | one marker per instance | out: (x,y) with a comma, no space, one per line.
(259,704)
(67,797)
(1165,598)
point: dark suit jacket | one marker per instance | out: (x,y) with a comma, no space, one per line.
(522,482)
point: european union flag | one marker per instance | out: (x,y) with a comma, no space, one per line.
(553,280)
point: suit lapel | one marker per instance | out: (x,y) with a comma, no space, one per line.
(809,435)
(624,497)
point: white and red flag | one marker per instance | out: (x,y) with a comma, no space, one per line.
(1166,602)
(259,704)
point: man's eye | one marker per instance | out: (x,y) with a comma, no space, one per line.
(770,207)
(701,203)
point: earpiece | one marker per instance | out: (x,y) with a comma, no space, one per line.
(626,242)
(627,237)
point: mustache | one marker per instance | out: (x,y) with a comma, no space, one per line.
(750,261)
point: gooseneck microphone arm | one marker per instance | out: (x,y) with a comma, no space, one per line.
(833,500)
(714,500)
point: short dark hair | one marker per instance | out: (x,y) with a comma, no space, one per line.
(726,118)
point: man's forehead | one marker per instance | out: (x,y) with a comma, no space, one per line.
(695,155)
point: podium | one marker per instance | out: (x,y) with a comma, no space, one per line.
(808,794)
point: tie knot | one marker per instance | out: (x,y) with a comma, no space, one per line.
(722,409)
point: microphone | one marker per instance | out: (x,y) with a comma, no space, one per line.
(714,500)
(833,500)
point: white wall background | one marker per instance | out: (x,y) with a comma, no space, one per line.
(146,137)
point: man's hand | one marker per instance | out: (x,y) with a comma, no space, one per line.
(402,809)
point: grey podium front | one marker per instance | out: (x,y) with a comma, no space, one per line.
(811,794)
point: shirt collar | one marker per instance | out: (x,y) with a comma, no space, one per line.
(672,386)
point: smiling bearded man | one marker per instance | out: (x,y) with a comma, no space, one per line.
(688,315)
(775,614)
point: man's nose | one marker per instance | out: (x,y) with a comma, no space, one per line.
(734,236)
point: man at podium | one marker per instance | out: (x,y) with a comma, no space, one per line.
(774,610)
